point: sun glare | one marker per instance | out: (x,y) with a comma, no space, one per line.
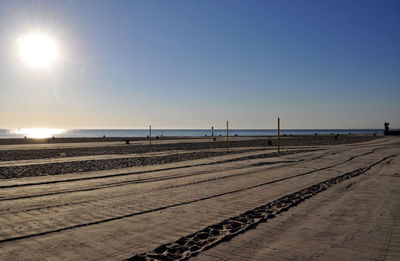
(37,50)
(38,133)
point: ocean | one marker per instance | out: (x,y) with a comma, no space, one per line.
(90,133)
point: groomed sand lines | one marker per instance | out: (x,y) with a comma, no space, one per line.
(210,236)
(34,151)
(174,177)
(11,163)
(358,219)
(114,214)
(64,143)
(70,166)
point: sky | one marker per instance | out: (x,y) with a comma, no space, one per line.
(195,64)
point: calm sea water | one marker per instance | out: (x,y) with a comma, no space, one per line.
(71,133)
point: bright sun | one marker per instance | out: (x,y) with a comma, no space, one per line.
(37,50)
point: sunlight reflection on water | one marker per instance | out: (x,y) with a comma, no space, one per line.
(38,133)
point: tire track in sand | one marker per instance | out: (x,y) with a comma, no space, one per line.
(162,207)
(156,179)
(193,244)
(262,155)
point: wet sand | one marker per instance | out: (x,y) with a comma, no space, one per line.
(206,203)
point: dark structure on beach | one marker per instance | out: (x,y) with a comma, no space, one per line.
(390,132)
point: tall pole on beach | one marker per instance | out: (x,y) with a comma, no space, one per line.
(150,136)
(279,135)
(227,136)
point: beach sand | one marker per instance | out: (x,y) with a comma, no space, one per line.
(321,198)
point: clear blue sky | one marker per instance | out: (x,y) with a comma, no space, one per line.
(196,64)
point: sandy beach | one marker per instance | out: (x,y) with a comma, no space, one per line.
(201,130)
(321,198)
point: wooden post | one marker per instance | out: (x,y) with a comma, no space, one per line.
(227,136)
(150,136)
(279,136)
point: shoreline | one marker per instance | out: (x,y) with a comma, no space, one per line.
(12,141)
